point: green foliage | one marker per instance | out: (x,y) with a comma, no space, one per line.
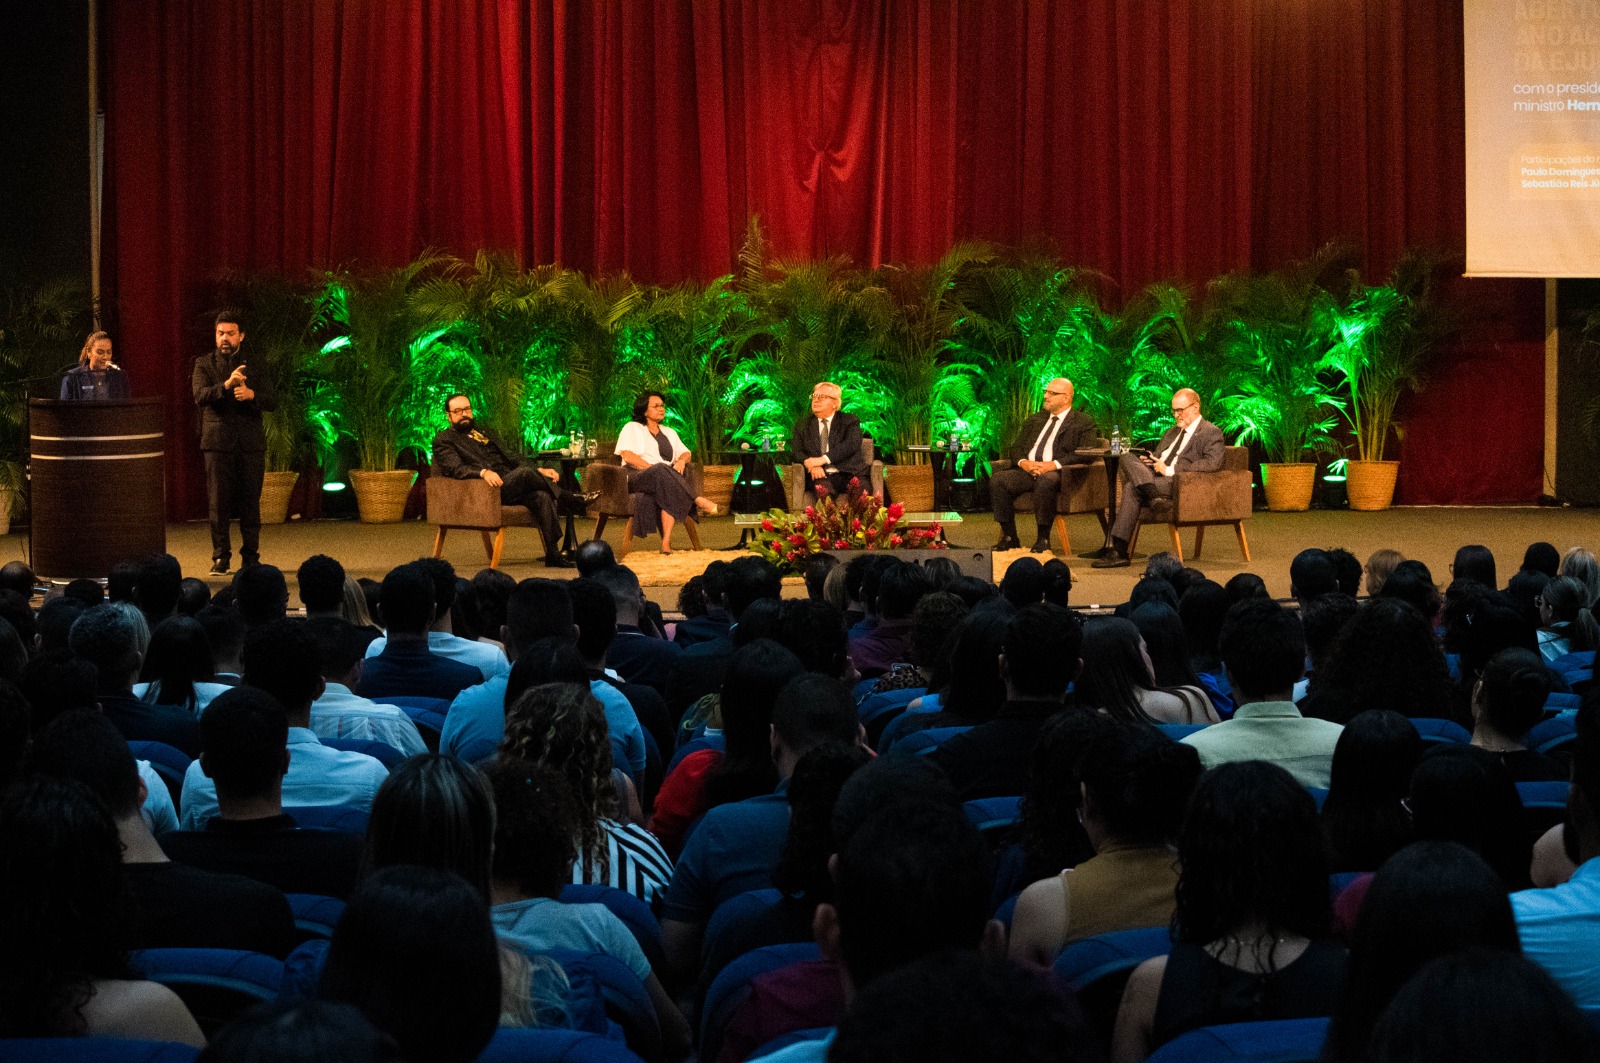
(381,382)
(41,328)
(693,336)
(604,348)
(283,318)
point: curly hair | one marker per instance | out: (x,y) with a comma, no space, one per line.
(562,726)
(64,908)
(1386,657)
(1250,849)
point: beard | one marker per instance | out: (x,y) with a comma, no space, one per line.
(228,348)
(466,424)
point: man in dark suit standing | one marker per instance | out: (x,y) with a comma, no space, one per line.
(466,452)
(1192,444)
(1043,448)
(828,442)
(231,403)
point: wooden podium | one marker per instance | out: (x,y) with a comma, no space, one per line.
(98,473)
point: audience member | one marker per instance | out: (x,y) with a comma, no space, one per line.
(261,595)
(321,582)
(1041,657)
(176,906)
(1052,835)
(178,667)
(415,951)
(225,631)
(1526,591)
(15,610)
(1429,899)
(17,576)
(87,591)
(640,707)
(1323,619)
(1474,563)
(712,621)
(493,589)
(54,682)
(1117,677)
(244,740)
(464,620)
(534,853)
(489,661)
(1385,657)
(1579,563)
(193,596)
(1566,624)
(1459,796)
(108,639)
(698,670)
(1379,567)
(1311,575)
(562,726)
(966,688)
(1557,924)
(157,587)
(933,620)
(1136,784)
(1023,583)
(814,632)
(636,656)
(1252,920)
(1507,700)
(66,920)
(1412,583)
(1542,557)
(1245,585)
(1264,650)
(1364,816)
(1346,569)
(120,581)
(1482,1006)
(405,661)
(53,622)
(282,660)
(309,1031)
(899,588)
(338,713)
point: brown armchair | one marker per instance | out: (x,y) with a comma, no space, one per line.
(1201,499)
(797,485)
(1083,492)
(608,477)
(473,505)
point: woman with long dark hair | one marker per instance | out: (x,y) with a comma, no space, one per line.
(65,921)
(1364,816)
(1119,679)
(657,463)
(178,667)
(1387,657)
(1565,623)
(1252,920)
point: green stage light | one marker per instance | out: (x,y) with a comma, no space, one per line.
(1333,479)
(334,486)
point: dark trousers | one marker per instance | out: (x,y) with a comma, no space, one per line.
(1134,472)
(838,482)
(527,486)
(233,488)
(1007,485)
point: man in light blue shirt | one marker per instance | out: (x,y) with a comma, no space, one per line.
(538,608)
(281,660)
(1560,926)
(489,660)
(339,713)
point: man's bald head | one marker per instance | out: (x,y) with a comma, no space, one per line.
(1057,395)
(1185,407)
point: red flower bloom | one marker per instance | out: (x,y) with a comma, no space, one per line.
(896,511)
(840,544)
(767,526)
(895,540)
(855,525)
(811,511)
(797,539)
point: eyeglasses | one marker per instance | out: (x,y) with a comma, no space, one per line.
(1180,409)
(460,409)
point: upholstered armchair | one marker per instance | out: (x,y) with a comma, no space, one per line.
(797,485)
(1083,491)
(1201,499)
(607,476)
(473,505)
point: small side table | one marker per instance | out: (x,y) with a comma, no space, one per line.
(757,488)
(943,472)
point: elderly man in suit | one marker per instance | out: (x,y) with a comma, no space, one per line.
(1192,444)
(1044,446)
(828,443)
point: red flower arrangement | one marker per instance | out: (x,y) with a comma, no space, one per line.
(854,521)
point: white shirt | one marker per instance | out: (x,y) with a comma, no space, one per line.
(204,693)
(489,660)
(1179,444)
(637,438)
(318,775)
(341,714)
(1047,436)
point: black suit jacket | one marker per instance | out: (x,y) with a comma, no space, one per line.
(225,422)
(1077,432)
(460,457)
(844,442)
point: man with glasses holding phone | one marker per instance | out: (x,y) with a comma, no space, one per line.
(1192,444)
(1045,444)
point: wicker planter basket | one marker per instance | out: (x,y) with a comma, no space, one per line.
(276,488)
(381,496)
(1289,485)
(717,483)
(911,486)
(1370,484)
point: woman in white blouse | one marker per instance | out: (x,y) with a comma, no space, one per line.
(656,459)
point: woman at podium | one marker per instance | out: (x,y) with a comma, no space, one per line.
(95,379)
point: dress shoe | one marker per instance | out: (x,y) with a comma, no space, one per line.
(1008,542)
(219,568)
(1104,551)
(1115,559)
(1040,546)
(557,561)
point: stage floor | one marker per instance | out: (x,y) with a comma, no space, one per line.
(1430,534)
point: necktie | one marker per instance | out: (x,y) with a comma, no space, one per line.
(1044,438)
(822,434)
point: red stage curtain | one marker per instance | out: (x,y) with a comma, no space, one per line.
(1149,139)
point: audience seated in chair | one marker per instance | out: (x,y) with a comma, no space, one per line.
(698,670)
(245,755)
(339,713)
(309,1031)
(894,596)
(65,919)
(281,660)
(177,906)
(488,659)
(107,638)
(637,656)
(1364,815)
(406,663)
(1040,659)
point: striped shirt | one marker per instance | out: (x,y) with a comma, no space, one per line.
(637,862)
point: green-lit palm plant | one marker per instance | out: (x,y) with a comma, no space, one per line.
(695,335)
(40,329)
(373,383)
(604,334)
(1384,340)
(911,316)
(284,317)
(1109,358)
(1186,346)
(815,325)
(513,323)
(1015,325)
